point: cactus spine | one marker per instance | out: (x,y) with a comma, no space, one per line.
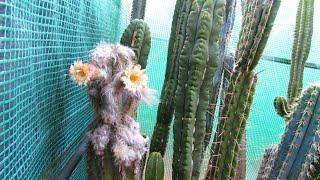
(300,52)
(266,162)
(155,167)
(256,27)
(286,162)
(301,47)
(137,37)
(166,107)
(300,141)
(225,66)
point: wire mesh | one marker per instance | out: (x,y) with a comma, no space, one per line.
(42,113)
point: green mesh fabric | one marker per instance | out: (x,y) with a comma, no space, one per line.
(80,172)
(43,114)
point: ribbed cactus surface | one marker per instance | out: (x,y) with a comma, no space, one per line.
(155,167)
(300,52)
(225,68)
(231,126)
(137,37)
(301,47)
(197,64)
(257,24)
(300,141)
(138,9)
(166,106)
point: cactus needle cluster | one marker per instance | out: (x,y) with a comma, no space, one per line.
(256,27)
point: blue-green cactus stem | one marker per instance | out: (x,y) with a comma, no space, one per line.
(266,161)
(314,168)
(300,140)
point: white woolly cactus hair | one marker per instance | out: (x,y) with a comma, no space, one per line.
(116,98)
(112,55)
(129,145)
(99,137)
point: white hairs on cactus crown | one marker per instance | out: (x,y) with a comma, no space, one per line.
(109,100)
(105,54)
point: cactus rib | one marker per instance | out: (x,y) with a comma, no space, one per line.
(137,37)
(155,167)
(300,49)
(166,107)
(300,140)
(217,12)
(225,67)
(239,94)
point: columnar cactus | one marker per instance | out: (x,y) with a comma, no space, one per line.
(300,52)
(269,154)
(256,27)
(138,9)
(137,37)
(300,141)
(301,47)
(225,67)
(166,106)
(240,172)
(116,84)
(197,64)
(155,167)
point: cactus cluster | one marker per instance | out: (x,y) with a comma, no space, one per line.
(299,143)
(299,56)
(200,67)
(292,158)
(198,62)
(256,27)
(225,67)
(166,106)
